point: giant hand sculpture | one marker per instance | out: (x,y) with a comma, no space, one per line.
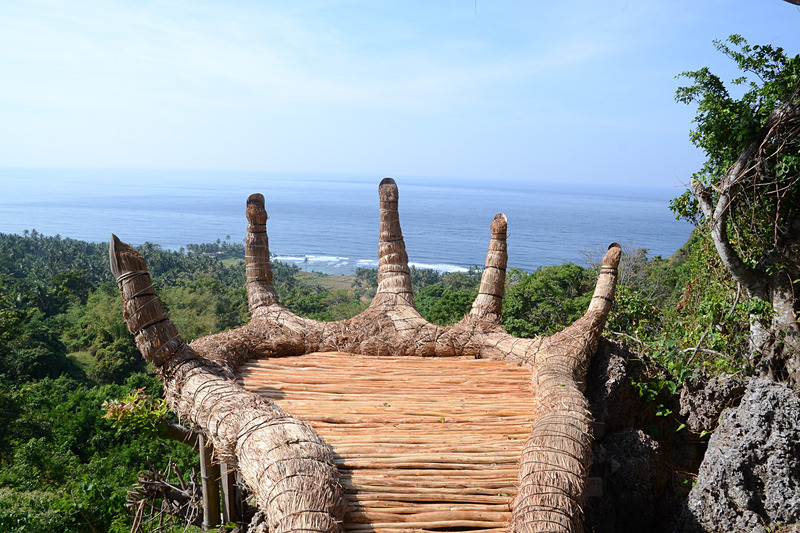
(288,468)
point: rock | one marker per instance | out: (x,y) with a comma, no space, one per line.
(614,401)
(703,399)
(639,491)
(749,480)
(631,463)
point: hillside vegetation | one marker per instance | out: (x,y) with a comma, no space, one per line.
(65,350)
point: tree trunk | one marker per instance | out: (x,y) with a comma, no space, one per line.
(785,324)
(775,342)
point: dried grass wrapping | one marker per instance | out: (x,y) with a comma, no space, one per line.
(287,466)
(284,462)
(557,456)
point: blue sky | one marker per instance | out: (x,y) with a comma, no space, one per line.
(520,90)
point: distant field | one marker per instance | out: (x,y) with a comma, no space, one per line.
(327,281)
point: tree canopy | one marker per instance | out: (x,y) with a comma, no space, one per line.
(747,193)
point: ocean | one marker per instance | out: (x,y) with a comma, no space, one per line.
(329,223)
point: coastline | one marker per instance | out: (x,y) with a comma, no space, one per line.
(330,223)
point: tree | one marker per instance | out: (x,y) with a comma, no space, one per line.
(442,305)
(747,194)
(544,301)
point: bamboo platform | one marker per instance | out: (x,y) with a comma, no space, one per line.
(422,444)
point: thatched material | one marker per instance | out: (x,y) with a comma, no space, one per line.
(394,281)
(286,465)
(557,456)
(488,306)
(260,290)
(555,461)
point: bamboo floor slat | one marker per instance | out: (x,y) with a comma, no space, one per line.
(422,444)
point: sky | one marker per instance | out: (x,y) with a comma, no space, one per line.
(577,92)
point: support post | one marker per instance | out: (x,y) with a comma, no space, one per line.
(209,474)
(229,504)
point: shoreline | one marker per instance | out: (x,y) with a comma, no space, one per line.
(343,266)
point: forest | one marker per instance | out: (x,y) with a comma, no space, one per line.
(66,354)
(723,303)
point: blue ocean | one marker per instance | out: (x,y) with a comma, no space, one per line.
(329,223)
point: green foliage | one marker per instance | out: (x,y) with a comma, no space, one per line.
(725,124)
(204,306)
(29,348)
(114,362)
(710,311)
(463,281)
(63,467)
(341,304)
(38,511)
(442,305)
(366,281)
(219,249)
(67,288)
(424,277)
(664,308)
(40,258)
(646,289)
(97,326)
(544,301)
(444,297)
(763,216)
(69,469)
(657,394)
(315,302)
(137,411)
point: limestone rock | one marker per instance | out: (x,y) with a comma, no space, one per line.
(750,478)
(703,398)
(612,397)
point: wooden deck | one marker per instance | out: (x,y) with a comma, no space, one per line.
(422,444)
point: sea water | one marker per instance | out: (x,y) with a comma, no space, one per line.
(329,223)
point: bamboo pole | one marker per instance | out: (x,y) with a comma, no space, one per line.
(230,512)
(209,475)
